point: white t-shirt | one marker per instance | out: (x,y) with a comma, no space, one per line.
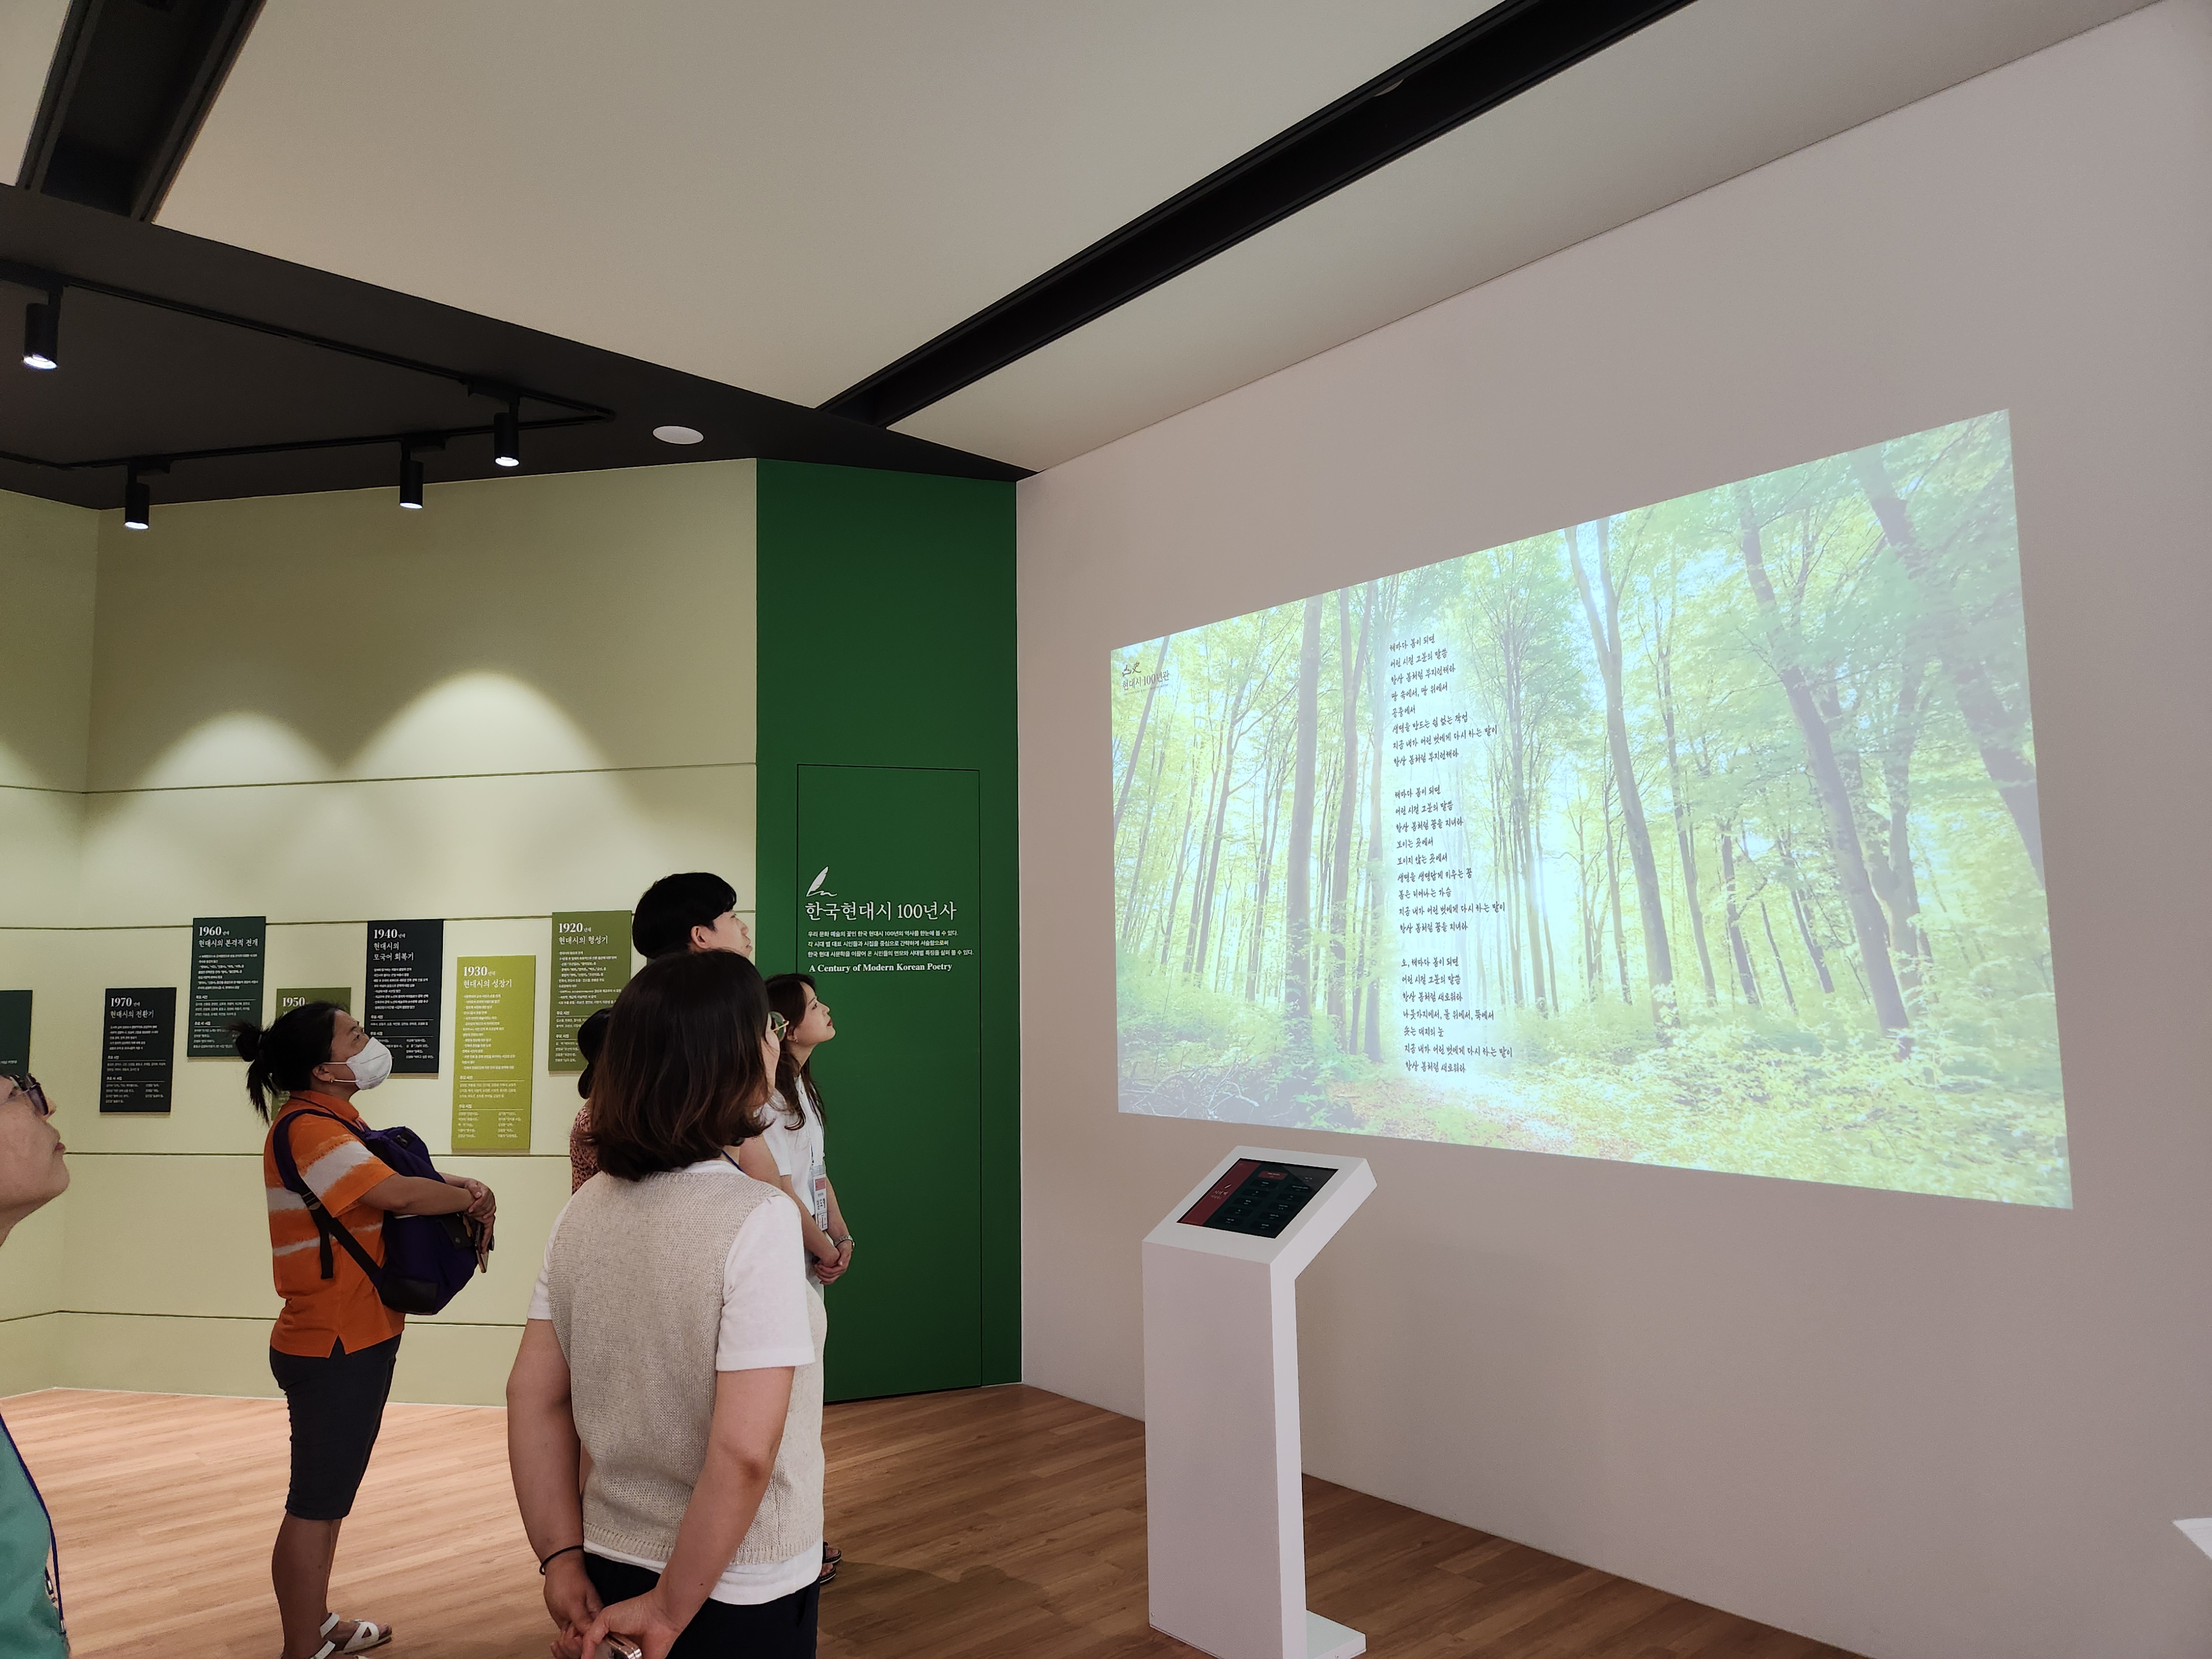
(797,1149)
(764,1324)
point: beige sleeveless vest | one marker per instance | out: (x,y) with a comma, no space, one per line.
(636,1277)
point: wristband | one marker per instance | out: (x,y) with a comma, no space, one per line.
(842,1242)
(556,1556)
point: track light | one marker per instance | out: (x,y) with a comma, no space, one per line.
(507,436)
(42,332)
(412,450)
(137,502)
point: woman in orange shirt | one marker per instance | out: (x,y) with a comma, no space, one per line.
(333,1346)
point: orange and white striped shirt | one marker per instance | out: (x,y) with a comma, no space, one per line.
(339,1170)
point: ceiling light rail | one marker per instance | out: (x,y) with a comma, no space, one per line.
(52,284)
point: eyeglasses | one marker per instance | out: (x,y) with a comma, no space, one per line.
(777,1026)
(29,1087)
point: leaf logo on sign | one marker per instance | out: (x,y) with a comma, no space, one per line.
(818,880)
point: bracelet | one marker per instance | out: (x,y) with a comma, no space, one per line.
(556,1556)
(842,1242)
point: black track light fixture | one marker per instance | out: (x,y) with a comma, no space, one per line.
(137,499)
(412,450)
(507,435)
(42,331)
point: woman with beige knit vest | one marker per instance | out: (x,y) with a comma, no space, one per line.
(670,1365)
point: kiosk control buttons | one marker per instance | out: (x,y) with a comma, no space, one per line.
(1256,1198)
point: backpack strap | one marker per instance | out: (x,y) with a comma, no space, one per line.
(327,1226)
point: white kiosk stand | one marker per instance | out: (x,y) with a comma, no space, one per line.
(1224,1525)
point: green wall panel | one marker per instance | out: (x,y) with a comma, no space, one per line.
(887,641)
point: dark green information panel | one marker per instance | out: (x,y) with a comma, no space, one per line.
(888,921)
(15,1030)
(227,953)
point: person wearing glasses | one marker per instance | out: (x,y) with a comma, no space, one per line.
(693,912)
(789,1153)
(670,1371)
(33,1173)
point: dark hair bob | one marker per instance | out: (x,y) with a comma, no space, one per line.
(680,1076)
(282,1060)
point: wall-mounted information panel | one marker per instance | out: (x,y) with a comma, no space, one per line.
(138,1048)
(228,956)
(590,965)
(289,997)
(405,986)
(15,1030)
(494,1006)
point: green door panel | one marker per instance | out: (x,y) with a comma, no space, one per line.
(889,922)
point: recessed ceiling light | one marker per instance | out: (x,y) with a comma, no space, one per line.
(680,435)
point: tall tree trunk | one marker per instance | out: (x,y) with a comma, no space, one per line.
(1663,662)
(1144,840)
(1137,743)
(1743,974)
(1351,666)
(1867,923)
(1256,956)
(1182,859)
(1202,897)
(1804,914)
(1297,972)
(1231,738)
(1613,881)
(1605,637)
(1995,728)
(1768,922)
(1899,891)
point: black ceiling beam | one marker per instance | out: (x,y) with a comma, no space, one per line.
(130,82)
(1508,49)
(55,282)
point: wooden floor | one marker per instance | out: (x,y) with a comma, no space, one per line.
(996,1522)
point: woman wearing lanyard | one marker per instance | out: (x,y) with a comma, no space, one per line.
(32,1173)
(333,1346)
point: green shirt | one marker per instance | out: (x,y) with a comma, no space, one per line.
(30,1598)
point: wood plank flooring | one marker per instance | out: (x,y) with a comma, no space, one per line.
(996,1522)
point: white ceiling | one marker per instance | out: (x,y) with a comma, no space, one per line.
(786,197)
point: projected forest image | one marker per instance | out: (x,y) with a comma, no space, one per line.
(1703,834)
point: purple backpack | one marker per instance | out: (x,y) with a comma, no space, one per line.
(427,1258)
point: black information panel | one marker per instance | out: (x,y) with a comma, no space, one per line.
(15,1032)
(1258,1198)
(405,979)
(138,1049)
(228,952)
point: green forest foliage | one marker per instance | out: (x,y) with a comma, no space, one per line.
(1800,932)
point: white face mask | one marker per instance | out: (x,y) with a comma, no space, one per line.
(371,1065)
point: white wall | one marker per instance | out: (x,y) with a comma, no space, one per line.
(1908,1425)
(536,694)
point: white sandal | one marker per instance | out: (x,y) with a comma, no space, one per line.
(366,1634)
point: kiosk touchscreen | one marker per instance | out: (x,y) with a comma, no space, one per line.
(1225,1530)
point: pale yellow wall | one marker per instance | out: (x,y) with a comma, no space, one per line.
(49,565)
(537,694)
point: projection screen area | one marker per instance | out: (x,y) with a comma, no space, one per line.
(1703,834)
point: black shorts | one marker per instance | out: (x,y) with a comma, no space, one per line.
(337,1406)
(781,1629)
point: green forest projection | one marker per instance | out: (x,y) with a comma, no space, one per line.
(1702,834)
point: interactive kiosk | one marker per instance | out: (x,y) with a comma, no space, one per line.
(1224,1525)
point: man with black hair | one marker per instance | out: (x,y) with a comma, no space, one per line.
(696,911)
(692,912)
